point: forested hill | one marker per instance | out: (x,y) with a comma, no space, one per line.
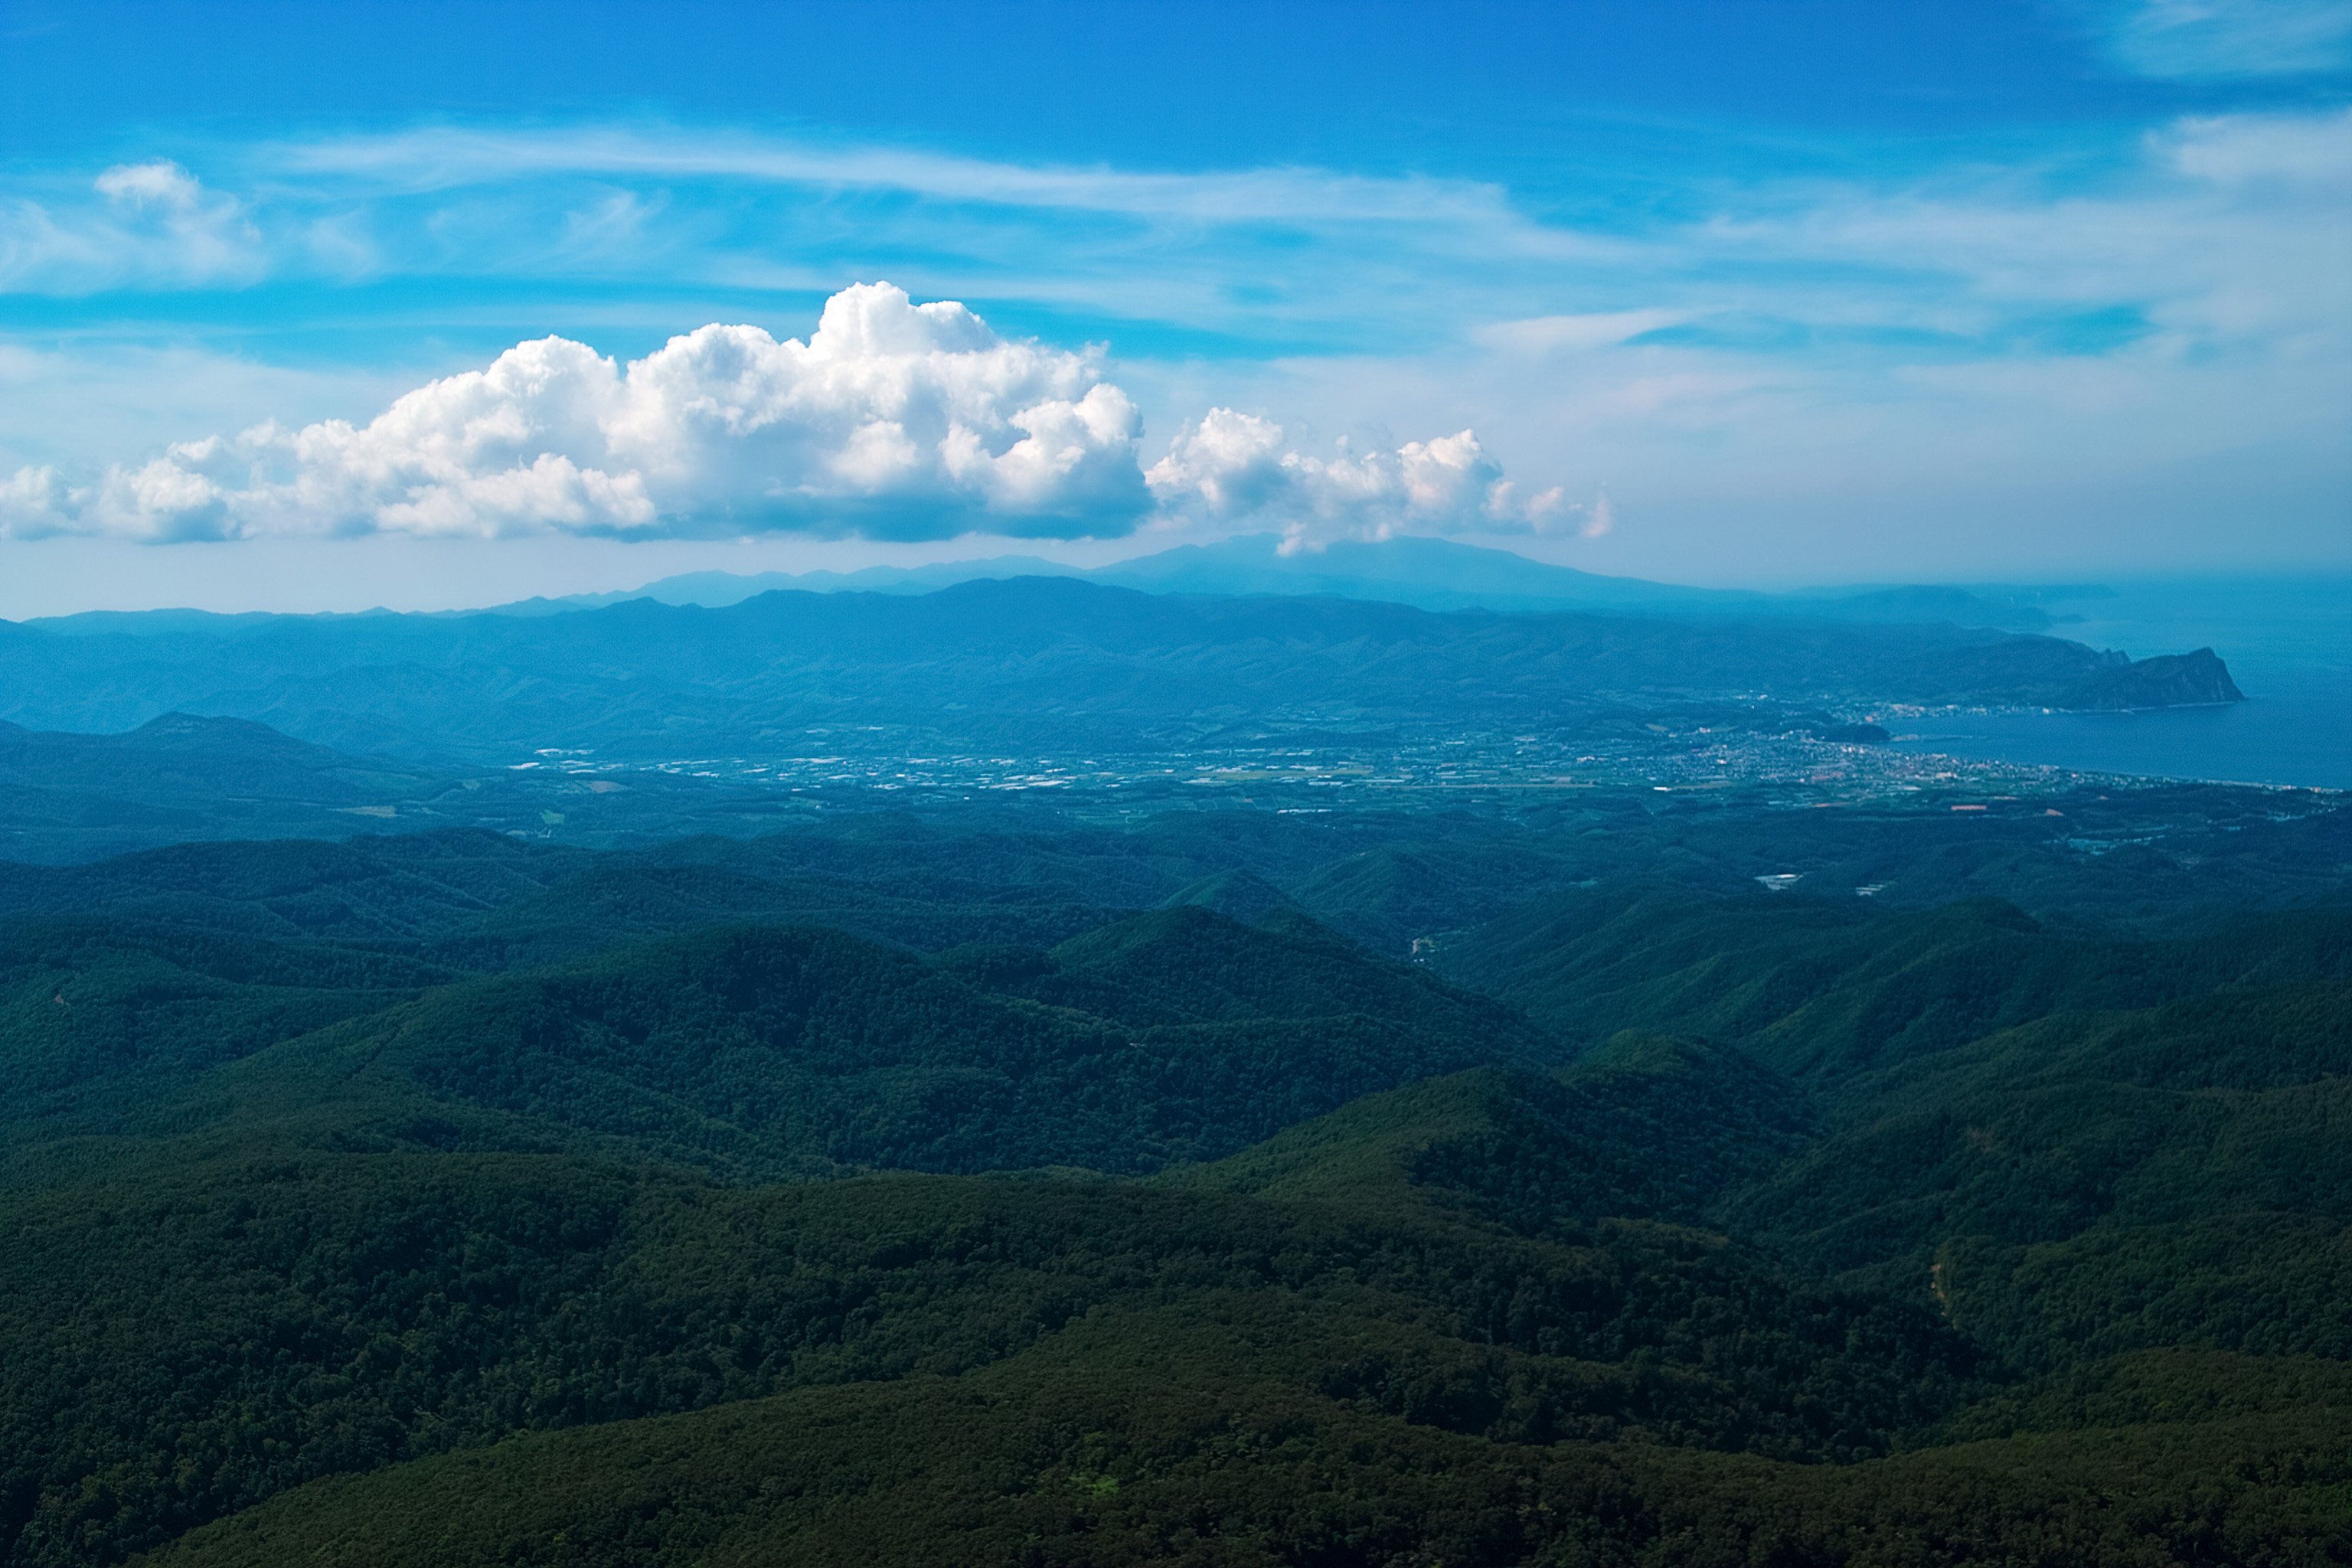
(1221,1187)
(373,1240)
(1023,657)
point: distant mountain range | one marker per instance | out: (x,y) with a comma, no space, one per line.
(1430,574)
(1030,662)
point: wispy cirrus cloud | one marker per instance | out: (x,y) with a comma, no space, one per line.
(2235,230)
(2222,39)
(1348,261)
(150,224)
(446,158)
(1213,251)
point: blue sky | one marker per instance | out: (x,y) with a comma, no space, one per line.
(1765,292)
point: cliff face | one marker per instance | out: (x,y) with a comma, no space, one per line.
(2169,680)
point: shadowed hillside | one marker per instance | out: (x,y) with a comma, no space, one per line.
(1015,1189)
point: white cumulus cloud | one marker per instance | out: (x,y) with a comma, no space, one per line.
(1231,467)
(893,421)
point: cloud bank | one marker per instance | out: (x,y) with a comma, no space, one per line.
(893,421)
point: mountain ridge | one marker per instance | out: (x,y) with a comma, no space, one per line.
(989,662)
(1429,573)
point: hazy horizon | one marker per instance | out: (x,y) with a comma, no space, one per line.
(344,577)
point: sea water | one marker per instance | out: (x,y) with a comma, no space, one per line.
(2288,644)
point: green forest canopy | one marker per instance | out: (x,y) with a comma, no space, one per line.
(871,1190)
